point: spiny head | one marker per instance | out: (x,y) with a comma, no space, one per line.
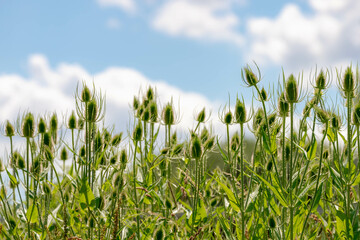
(348,82)
(356,115)
(9,129)
(153,111)
(150,95)
(168,115)
(138,132)
(291,89)
(28,126)
(263,95)
(196,147)
(42,126)
(321,81)
(283,106)
(86,94)
(240,112)
(249,76)
(92,111)
(72,123)
(201,116)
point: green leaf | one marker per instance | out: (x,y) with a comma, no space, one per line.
(32,213)
(311,154)
(277,193)
(317,197)
(86,195)
(230,196)
(12,178)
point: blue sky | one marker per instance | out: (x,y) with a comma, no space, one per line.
(195,47)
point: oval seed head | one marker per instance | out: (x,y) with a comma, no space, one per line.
(258,118)
(209,143)
(153,112)
(336,121)
(173,138)
(164,151)
(64,154)
(115,141)
(168,203)
(113,159)
(9,129)
(20,162)
(123,157)
(196,148)
(204,135)
(48,154)
(177,149)
(168,115)
(272,223)
(228,118)
(135,103)
(36,166)
(42,126)
(291,89)
(283,106)
(80,123)
(46,188)
(321,81)
(82,151)
(269,166)
(287,152)
(201,116)
(322,115)
(159,234)
(3,192)
(348,84)
(250,77)
(28,126)
(53,123)
(85,94)
(326,154)
(150,94)
(356,115)
(12,222)
(263,95)
(72,123)
(146,114)
(235,142)
(138,131)
(92,111)
(272,119)
(240,112)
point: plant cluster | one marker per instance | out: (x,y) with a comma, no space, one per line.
(80,180)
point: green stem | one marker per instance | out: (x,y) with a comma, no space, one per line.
(135,195)
(291,170)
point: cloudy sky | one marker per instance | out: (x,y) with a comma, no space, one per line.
(192,50)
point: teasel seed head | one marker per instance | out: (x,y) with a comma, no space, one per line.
(348,83)
(98,142)
(326,154)
(196,148)
(272,119)
(159,234)
(86,94)
(263,95)
(322,115)
(82,151)
(123,157)
(272,222)
(240,112)
(12,222)
(258,118)
(287,152)
(146,115)
(136,103)
(283,106)
(204,135)
(250,78)
(80,124)
(28,126)
(356,115)
(150,95)
(48,154)
(177,149)
(209,143)
(42,126)
(201,116)
(53,123)
(9,129)
(72,123)
(321,81)
(36,166)
(64,154)
(92,111)
(235,142)
(228,118)
(168,115)
(46,188)
(19,160)
(291,89)
(153,112)
(115,141)
(138,132)
(269,166)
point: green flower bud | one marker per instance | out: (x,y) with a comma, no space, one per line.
(356,115)
(321,81)
(64,154)
(240,112)
(92,111)
(291,89)
(235,142)
(150,95)
(201,116)
(53,123)
(269,166)
(283,106)
(153,112)
(138,131)
(263,95)
(135,103)
(348,84)
(9,129)
(146,114)
(19,160)
(250,77)
(196,148)
(72,123)
(42,126)
(28,126)
(85,94)
(168,115)
(116,139)
(322,115)
(228,118)
(177,149)
(272,223)
(209,143)
(123,157)
(204,135)
(46,188)
(98,142)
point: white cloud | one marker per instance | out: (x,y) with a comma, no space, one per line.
(48,90)
(127,5)
(295,39)
(199,19)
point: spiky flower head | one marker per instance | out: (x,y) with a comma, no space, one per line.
(115,141)
(98,142)
(123,157)
(209,143)
(135,103)
(19,160)
(138,131)
(168,115)
(177,149)
(196,147)
(42,126)
(92,111)
(146,114)
(72,123)
(86,94)
(28,126)
(258,118)
(53,123)
(348,83)
(64,154)
(283,106)
(235,141)
(240,112)
(335,121)
(201,116)
(150,95)
(291,89)
(9,129)
(321,81)
(228,118)
(263,95)
(153,112)
(36,166)
(322,115)
(46,188)
(250,78)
